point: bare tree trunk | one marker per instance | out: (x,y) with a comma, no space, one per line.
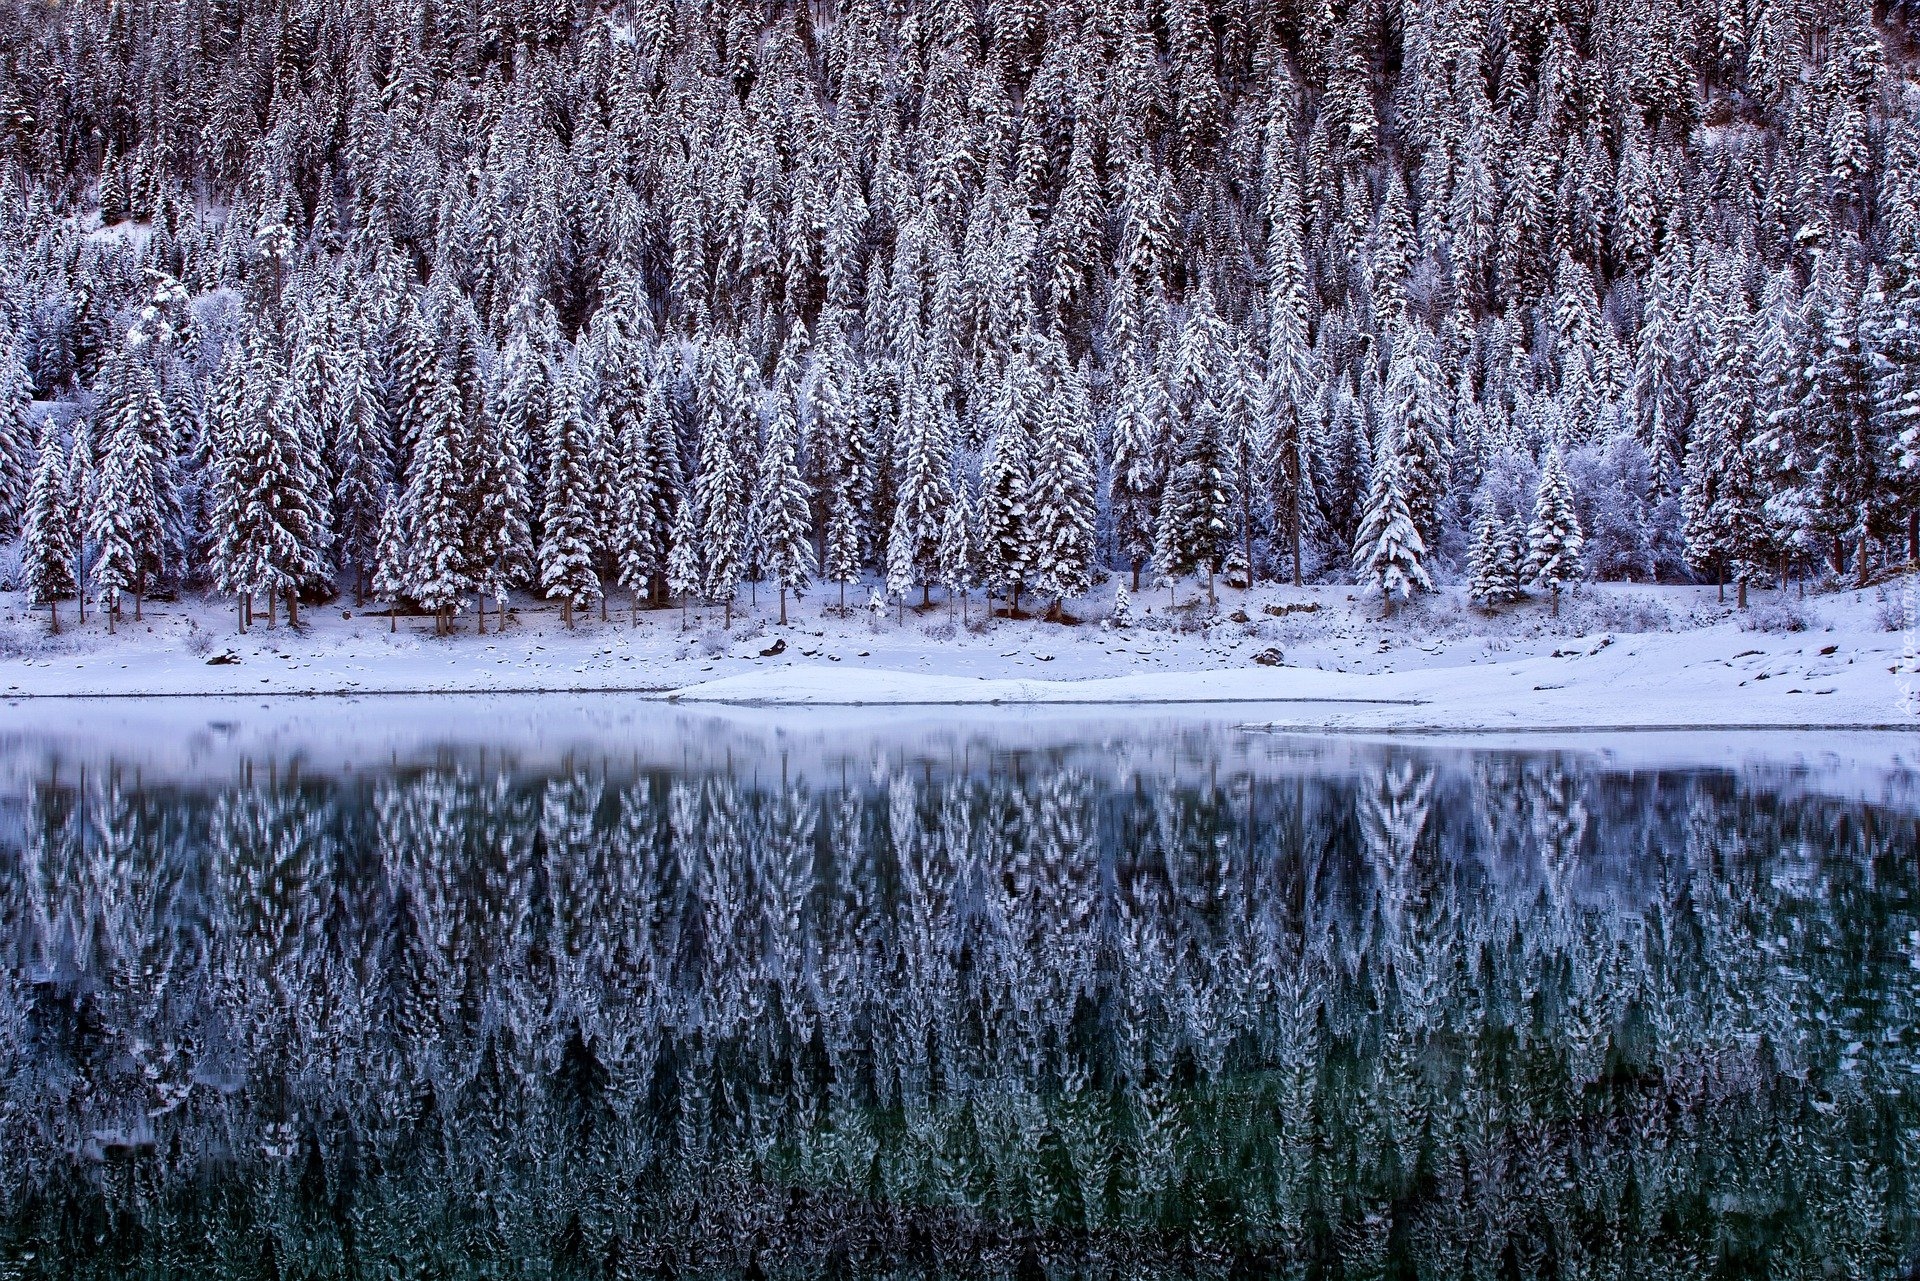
(1555,609)
(240,612)
(1211,598)
(1722,567)
(566,611)
(1860,572)
(393,616)
(1294,530)
(136,607)
(1742,586)
(1136,576)
(54,605)
(1913,537)
(479,613)
(293,608)
(783,604)
(635,611)
(272,620)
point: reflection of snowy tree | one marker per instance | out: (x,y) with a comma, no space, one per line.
(643,1020)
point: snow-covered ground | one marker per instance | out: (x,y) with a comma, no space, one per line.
(1623,656)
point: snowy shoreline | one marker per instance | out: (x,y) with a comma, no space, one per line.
(1317,658)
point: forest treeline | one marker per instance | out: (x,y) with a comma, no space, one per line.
(435,301)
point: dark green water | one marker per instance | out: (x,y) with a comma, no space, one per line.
(1045,1011)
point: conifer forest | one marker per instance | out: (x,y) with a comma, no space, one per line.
(431,302)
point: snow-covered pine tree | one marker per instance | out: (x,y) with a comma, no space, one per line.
(684,577)
(1723,499)
(923,492)
(1007,478)
(1065,499)
(1417,413)
(1194,526)
(782,500)
(436,511)
(412,386)
(47,555)
(1137,452)
(393,558)
(1894,343)
(83,486)
(498,547)
(1491,577)
(843,538)
(723,487)
(283,506)
(959,556)
(129,517)
(638,541)
(1201,498)
(16,442)
(1554,539)
(1389,555)
(228,488)
(362,473)
(566,519)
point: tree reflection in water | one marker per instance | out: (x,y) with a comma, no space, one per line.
(1429,1013)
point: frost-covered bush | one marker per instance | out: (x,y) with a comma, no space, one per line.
(1630,535)
(1779,616)
(1896,612)
(1621,612)
(713,643)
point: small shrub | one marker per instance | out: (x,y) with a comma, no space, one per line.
(1896,614)
(1605,612)
(713,643)
(1778,616)
(199,640)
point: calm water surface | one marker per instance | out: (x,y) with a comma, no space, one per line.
(1130,1004)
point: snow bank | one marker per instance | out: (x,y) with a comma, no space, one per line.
(859,688)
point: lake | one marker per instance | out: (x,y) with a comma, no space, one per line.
(438,990)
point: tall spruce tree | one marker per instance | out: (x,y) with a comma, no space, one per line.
(566,519)
(47,558)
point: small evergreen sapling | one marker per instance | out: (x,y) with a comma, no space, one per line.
(1493,578)
(392,559)
(1388,554)
(1554,539)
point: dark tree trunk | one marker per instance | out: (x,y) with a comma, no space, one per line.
(783,604)
(1136,576)
(1294,532)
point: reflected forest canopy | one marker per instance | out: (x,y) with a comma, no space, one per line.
(1429,1013)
